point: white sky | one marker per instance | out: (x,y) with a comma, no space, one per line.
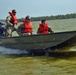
(36,8)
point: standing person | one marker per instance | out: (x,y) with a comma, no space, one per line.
(11,21)
(27,26)
(44,28)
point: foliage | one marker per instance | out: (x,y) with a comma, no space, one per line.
(66,16)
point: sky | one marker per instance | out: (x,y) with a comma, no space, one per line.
(36,8)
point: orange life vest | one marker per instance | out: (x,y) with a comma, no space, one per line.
(14,18)
(43,29)
(27,27)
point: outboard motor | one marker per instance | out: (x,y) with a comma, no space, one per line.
(2,29)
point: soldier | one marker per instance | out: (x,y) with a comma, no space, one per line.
(11,21)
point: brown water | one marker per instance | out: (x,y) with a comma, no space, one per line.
(12,62)
(37,65)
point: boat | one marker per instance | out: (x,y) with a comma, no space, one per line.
(39,41)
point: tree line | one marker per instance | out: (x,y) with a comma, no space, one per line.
(66,16)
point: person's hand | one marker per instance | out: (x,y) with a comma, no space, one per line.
(11,24)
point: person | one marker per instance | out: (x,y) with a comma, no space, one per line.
(27,26)
(44,28)
(11,21)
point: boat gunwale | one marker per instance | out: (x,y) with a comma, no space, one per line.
(38,34)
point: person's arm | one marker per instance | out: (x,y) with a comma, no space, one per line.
(50,30)
(8,20)
(38,31)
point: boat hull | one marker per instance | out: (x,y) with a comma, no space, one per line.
(38,42)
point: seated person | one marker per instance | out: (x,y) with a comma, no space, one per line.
(44,28)
(27,26)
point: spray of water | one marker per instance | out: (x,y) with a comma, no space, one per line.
(11,51)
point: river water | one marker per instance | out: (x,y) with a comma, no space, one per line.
(17,62)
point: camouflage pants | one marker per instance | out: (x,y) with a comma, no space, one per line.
(9,31)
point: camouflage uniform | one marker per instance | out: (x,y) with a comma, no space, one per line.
(9,28)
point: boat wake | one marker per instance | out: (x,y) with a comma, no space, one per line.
(12,51)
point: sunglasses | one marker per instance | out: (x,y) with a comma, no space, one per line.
(14,12)
(28,19)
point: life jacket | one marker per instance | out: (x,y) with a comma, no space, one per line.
(14,18)
(43,29)
(27,27)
